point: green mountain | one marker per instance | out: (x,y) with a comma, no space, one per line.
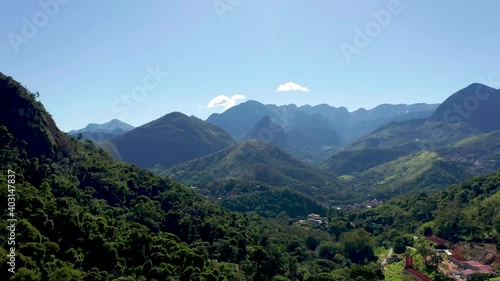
(81,215)
(19,106)
(463,212)
(423,154)
(386,172)
(480,153)
(395,140)
(476,105)
(257,161)
(169,140)
(444,127)
(358,160)
(423,171)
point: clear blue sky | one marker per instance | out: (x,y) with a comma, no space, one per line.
(85,56)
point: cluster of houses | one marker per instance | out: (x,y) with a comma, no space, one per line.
(368,204)
(313,218)
(464,268)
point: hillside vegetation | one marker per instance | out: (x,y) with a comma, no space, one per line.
(83,216)
(258,161)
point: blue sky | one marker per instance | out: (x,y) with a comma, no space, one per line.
(93,61)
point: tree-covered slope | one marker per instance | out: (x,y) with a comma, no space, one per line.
(28,122)
(463,212)
(83,216)
(258,161)
(267,201)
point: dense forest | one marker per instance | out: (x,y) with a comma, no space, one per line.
(81,215)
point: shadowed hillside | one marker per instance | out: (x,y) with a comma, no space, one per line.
(28,123)
(171,139)
(257,161)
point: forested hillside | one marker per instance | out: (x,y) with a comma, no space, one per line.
(258,161)
(83,216)
(464,212)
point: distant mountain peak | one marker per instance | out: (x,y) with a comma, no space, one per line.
(476,105)
(266,130)
(110,125)
(171,139)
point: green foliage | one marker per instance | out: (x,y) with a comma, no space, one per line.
(85,217)
(359,246)
(265,200)
(466,211)
(259,162)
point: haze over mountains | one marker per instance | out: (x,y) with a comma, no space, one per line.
(352,156)
(238,120)
(250,141)
(457,141)
(75,195)
(171,139)
(382,152)
(101,132)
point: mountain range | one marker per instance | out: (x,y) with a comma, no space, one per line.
(383,152)
(101,132)
(257,161)
(348,125)
(169,140)
(413,154)
(81,215)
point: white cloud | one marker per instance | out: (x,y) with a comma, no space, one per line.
(225,101)
(290,86)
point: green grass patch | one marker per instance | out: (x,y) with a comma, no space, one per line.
(347,177)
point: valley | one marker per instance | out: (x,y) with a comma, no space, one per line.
(253,140)
(264,192)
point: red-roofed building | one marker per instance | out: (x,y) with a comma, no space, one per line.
(458,260)
(408,262)
(469,268)
(417,275)
(478,267)
(440,242)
